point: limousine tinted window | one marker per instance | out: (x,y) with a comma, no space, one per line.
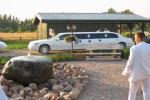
(82,36)
(110,35)
(94,36)
(63,36)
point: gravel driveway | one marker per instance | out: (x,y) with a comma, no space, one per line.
(106,82)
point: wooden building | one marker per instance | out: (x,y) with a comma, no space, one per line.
(47,22)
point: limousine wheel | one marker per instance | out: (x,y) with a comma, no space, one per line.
(123,45)
(44,49)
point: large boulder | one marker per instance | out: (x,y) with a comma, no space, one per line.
(28,69)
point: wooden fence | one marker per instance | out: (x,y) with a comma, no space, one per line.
(19,36)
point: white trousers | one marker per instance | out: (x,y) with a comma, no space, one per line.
(145,83)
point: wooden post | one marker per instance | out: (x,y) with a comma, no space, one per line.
(130,26)
(120,28)
(142,28)
(141,25)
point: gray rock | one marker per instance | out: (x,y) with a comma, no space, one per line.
(28,69)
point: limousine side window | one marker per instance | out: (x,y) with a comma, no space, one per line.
(63,36)
(97,36)
(82,36)
(109,35)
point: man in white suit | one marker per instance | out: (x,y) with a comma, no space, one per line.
(138,68)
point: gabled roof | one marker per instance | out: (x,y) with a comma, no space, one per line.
(89,17)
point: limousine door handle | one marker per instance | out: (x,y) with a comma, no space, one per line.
(89,40)
(99,40)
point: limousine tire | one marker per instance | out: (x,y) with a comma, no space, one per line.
(44,49)
(122,44)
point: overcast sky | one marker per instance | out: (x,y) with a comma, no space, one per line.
(28,8)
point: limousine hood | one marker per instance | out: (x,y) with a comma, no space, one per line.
(40,41)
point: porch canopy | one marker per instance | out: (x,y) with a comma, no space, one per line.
(95,18)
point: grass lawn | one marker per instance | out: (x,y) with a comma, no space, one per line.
(17,44)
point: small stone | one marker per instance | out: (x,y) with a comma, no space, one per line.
(43,91)
(67,97)
(85,82)
(54,97)
(15,96)
(57,87)
(20,98)
(60,98)
(79,86)
(36,94)
(14,89)
(53,81)
(46,84)
(74,93)
(26,91)
(33,86)
(4,81)
(68,89)
(48,96)
(56,65)
(63,93)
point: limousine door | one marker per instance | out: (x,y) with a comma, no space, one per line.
(60,44)
(108,40)
(81,42)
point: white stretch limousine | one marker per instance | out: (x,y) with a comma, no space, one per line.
(84,41)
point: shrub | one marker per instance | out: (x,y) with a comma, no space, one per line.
(125,53)
(65,57)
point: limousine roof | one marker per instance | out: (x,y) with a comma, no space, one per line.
(87,32)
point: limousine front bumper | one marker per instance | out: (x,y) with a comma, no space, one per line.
(33,46)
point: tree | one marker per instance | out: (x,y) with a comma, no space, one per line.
(111,10)
(13,24)
(127,11)
(70,39)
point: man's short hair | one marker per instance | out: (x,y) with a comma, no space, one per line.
(141,35)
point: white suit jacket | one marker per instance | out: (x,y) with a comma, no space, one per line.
(138,64)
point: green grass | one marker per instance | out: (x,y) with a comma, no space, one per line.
(3,59)
(17,44)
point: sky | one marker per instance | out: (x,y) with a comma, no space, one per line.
(29,8)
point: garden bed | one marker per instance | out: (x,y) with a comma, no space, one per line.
(67,84)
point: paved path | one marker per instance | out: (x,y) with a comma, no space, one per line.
(14,52)
(106,82)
